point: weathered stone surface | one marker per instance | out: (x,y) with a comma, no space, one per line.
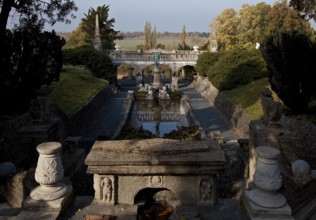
(19,186)
(272,111)
(238,118)
(186,168)
(153,152)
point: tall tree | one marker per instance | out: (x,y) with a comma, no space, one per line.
(253,24)
(154,38)
(227,29)
(107,33)
(36,12)
(147,35)
(183,45)
(290,60)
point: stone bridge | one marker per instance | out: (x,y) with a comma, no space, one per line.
(141,59)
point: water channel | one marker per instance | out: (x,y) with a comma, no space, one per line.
(159,116)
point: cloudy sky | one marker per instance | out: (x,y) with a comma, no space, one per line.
(167,15)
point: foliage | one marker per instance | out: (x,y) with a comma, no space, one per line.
(150,37)
(36,13)
(251,102)
(285,19)
(307,9)
(175,95)
(227,29)
(290,58)
(140,94)
(235,68)
(74,89)
(135,133)
(185,133)
(31,60)
(99,64)
(205,61)
(76,38)
(107,33)
(253,23)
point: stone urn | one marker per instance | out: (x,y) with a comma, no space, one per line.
(48,173)
(267,179)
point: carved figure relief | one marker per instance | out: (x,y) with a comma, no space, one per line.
(205,190)
(104,189)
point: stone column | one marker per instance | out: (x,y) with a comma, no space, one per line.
(51,193)
(264,201)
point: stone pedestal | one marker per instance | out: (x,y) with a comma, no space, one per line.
(264,201)
(157,79)
(174,83)
(52,194)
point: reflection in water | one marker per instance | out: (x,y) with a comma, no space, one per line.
(158,116)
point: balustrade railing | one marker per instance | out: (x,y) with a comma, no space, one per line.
(186,56)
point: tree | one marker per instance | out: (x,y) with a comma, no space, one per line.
(36,12)
(307,8)
(289,57)
(252,25)
(32,59)
(285,19)
(147,35)
(227,29)
(76,38)
(183,45)
(154,38)
(107,33)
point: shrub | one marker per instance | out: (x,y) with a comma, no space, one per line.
(237,67)
(185,133)
(99,64)
(205,61)
(291,58)
(29,59)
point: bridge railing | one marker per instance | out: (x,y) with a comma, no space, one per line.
(188,56)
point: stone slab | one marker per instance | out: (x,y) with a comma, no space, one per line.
(155,170)
(153,152)
(256,212)
(155,146)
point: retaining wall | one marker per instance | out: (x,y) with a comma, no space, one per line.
(235,115)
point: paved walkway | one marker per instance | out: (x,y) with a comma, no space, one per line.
(208,116)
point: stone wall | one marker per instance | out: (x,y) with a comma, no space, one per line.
(235,115)
(78,123)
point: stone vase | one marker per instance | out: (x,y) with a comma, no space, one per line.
(267,179)
(48,173)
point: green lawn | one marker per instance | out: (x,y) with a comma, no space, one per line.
(248,97)
(74,89)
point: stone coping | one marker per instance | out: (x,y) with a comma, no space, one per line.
(154,156)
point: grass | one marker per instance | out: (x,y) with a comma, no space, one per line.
(74,89)
(248,97)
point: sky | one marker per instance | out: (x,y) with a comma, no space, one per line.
(166,15)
